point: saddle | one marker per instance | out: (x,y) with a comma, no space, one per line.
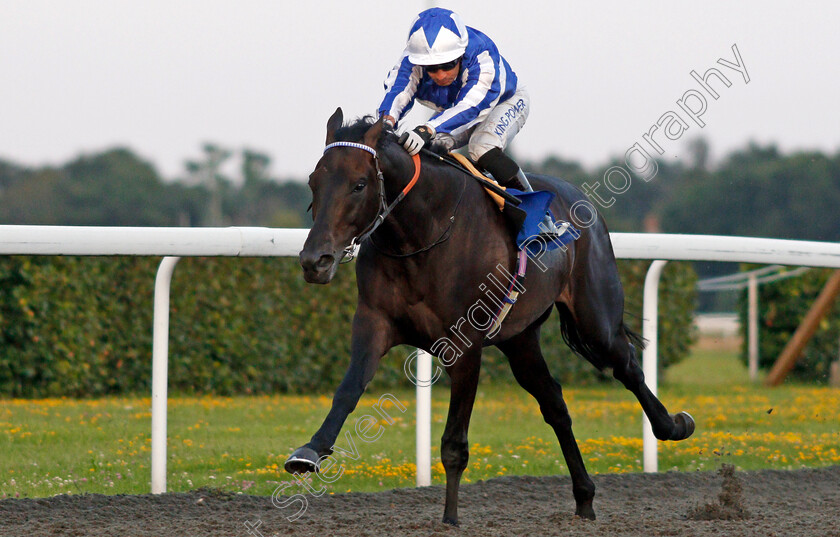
(523,219)
(523,213)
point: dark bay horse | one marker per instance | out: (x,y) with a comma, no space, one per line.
(422,269)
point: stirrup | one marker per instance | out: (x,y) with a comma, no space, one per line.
(548,228)
(523,185)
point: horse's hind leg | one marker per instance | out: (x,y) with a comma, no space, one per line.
(665,426)
(595,329)
(531,371)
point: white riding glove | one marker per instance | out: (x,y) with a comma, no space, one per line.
(414,140)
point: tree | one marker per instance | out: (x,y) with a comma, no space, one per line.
(760,193)
(10,175)
(699,150)
(207,172)
(114,188)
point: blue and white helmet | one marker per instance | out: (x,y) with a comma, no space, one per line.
(437,36)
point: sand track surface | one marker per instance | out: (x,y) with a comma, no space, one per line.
(775,503)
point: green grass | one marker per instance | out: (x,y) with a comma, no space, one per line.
(707,367)
(239,444)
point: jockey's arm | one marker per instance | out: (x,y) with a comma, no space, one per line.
(474,99)
(400,87)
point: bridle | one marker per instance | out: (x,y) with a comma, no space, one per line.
(384,208)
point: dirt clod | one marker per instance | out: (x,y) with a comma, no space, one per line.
(730,504)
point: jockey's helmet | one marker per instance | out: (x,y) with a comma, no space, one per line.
(437,36)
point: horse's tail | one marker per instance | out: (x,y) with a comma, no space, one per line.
(637,340)
(573,338)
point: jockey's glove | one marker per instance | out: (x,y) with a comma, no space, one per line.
(389,122)
(414,140)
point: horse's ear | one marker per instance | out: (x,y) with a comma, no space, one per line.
(333,124)
(373,133)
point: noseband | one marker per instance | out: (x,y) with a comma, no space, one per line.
(384,208)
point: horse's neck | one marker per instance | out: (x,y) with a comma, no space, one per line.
(423,215)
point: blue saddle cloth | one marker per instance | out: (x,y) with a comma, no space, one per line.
(535,204)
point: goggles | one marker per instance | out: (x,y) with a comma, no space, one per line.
(442,66)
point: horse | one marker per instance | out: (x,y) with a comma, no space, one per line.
(423,254)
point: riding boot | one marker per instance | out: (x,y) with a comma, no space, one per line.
(501,167)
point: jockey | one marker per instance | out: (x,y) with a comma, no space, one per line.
(458,71)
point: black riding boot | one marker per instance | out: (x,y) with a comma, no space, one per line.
(508,174)
(502,167)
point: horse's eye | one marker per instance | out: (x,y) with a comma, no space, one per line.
(360,186)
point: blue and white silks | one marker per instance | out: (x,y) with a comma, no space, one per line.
(485,80)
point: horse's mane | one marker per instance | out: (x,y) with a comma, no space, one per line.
(356,129)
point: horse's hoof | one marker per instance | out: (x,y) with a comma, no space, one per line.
(303,460)
(684,426)
(451,521)
(585,512)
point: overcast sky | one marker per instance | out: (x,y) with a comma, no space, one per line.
(162,77)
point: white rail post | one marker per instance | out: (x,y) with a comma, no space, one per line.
(752,322)
(160,364)
(424,419)
(650,312)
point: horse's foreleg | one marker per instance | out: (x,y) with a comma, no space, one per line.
(371,339)
(454,449)
(531,371)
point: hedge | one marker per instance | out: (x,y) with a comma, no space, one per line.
(782,306)
(82,326)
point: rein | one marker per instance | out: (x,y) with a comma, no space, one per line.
(384,208)
(508,197)
(443,237)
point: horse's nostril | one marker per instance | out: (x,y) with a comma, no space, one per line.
(310,262)
(318,269)
(324,262)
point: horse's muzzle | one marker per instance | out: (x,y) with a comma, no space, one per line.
(317,267)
